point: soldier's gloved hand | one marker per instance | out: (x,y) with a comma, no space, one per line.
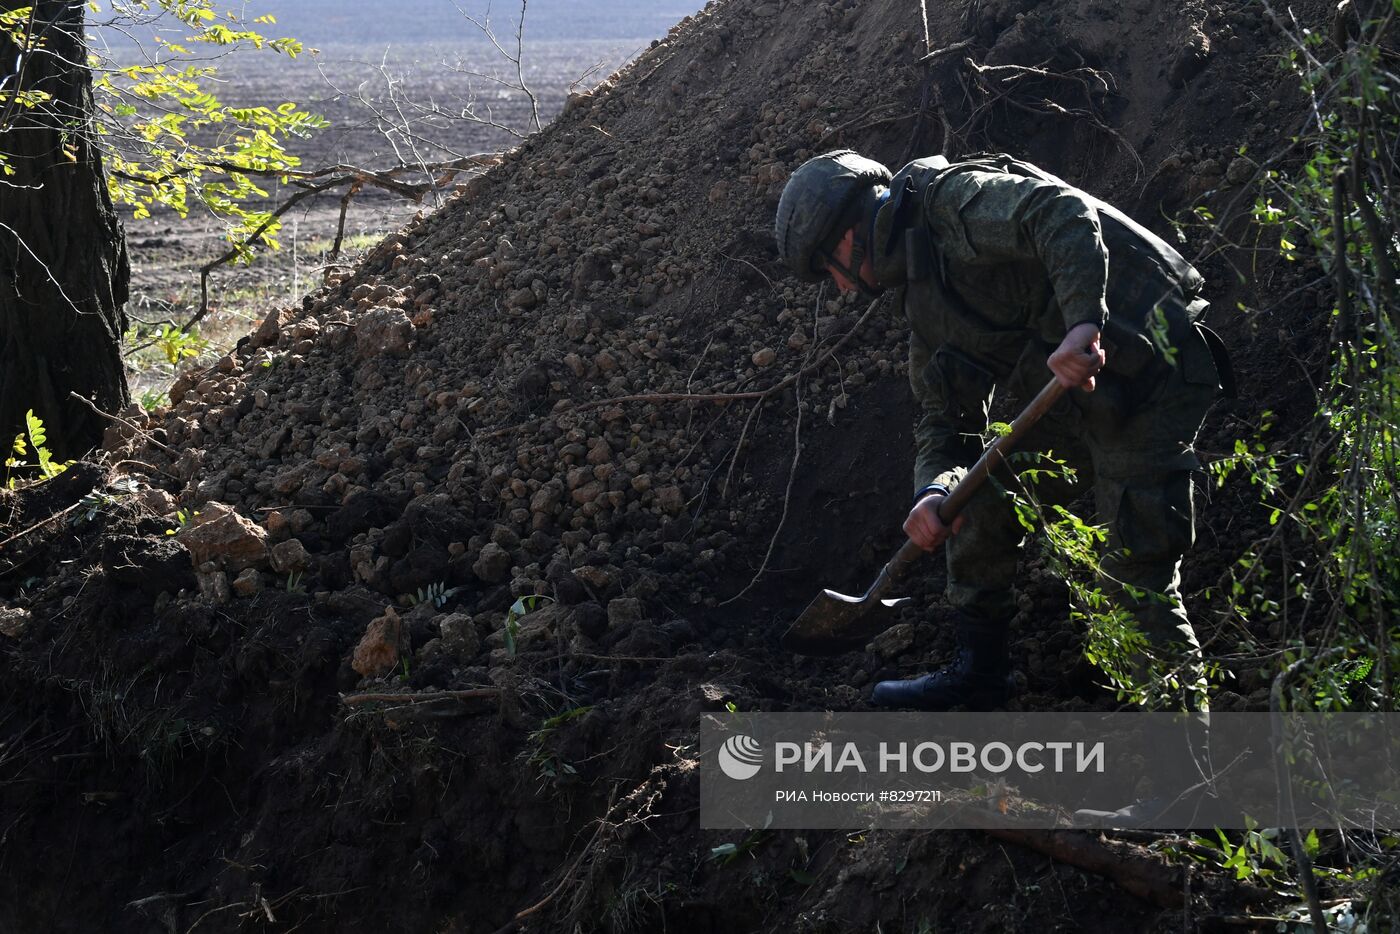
(923,526)
(1079,357)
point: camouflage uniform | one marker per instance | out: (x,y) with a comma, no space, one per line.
(997,261)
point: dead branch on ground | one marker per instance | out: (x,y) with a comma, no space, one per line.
(1125,866)
(947,50)
(718,397)
(426,697)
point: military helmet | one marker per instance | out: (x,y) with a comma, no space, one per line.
(817,207)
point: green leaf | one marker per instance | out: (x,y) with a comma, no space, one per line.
(35,425)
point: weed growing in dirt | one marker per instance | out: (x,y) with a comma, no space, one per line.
(520,608)
(1256,857)
(353,243)
(92,505)
(122,724)
(182,518)
(437,594)
(551,766)
(29,457)
(1137,671)
(99,502)
(153,399)
(727,853)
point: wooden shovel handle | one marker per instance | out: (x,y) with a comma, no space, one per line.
(908,553)
(997,451)
(954,502)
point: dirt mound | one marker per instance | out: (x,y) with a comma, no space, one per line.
(587,379)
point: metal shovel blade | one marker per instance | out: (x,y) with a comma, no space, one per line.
(834,623)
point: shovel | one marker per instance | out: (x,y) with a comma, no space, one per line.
(834,622)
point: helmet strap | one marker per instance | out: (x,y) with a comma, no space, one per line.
(852,271)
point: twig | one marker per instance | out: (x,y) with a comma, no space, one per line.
(568,874)
(1342,328)
(212,911)
(1093,121)
(1320,450)
(1295,839)
(340,223)
(324,180)
(1004,75)
(517,60)
(948,139)
(739,448)
(427,697)
(755,394)
(40,524)
(1380,239)
(160,897)
(388,178)
(740,259)
(1150,837)
(787,501)
(1146,878)
(247,243)
(24,40)
(1251,921)
(690,381)
(53,279)
(833,132)
(946,50)
(121,421)
(697,396)
(644,794)
(925,93)
(519,69)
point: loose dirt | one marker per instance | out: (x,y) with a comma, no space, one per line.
(571,382)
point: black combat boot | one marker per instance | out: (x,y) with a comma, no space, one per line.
(979,676)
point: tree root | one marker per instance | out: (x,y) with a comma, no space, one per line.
(1142,876)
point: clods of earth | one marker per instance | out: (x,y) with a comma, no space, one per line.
(402,616)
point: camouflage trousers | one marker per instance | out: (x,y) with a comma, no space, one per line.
(1140,464)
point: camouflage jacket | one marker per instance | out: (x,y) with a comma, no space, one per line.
(995,261)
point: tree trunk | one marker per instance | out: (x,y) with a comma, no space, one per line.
(63,264)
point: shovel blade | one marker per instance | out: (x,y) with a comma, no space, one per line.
(834,623)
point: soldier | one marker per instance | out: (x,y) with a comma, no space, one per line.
(1008,275)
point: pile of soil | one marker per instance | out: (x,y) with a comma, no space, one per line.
(588,379)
